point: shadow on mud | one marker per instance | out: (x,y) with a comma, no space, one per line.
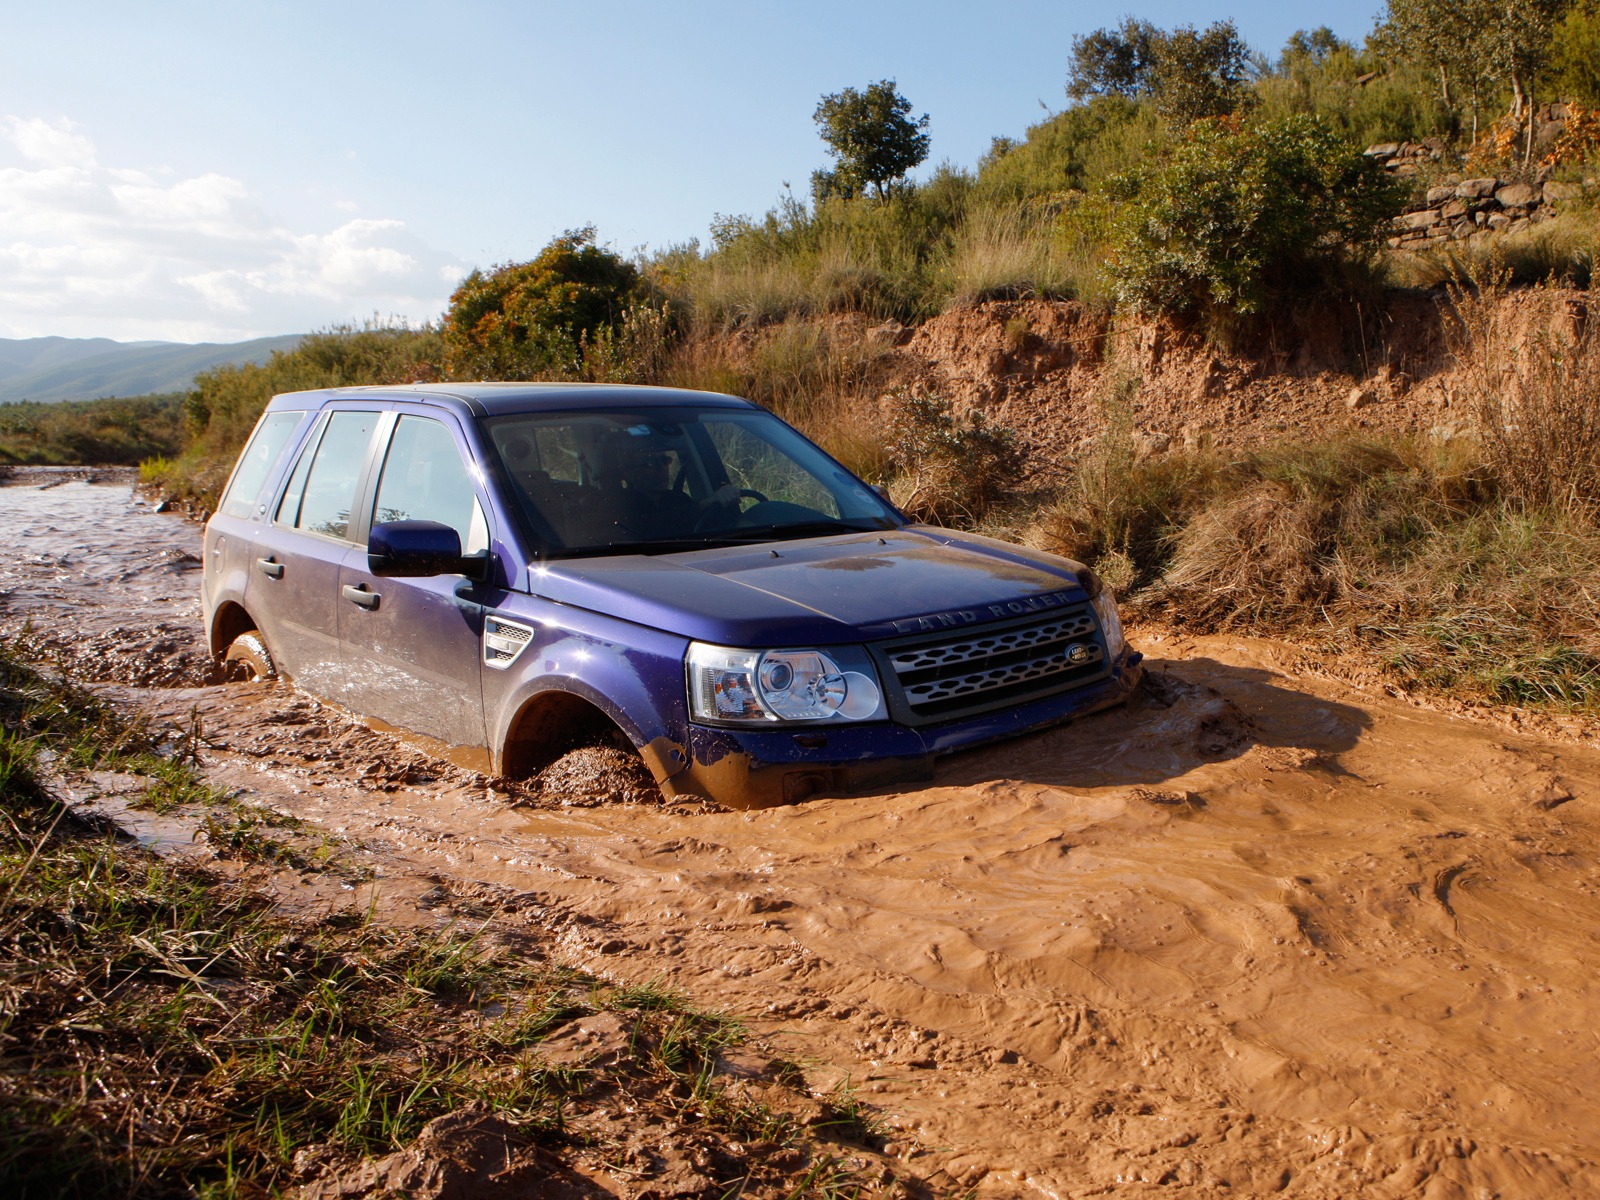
(1187,713)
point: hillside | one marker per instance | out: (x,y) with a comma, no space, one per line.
(54,368)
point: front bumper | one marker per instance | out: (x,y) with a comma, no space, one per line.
(739,768)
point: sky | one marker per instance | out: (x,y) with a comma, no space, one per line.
(210,170)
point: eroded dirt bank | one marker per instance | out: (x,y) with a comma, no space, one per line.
(1261,934)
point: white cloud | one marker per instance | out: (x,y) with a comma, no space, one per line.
(90,250)
(53,143)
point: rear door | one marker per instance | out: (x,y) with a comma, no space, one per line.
(294,585)
(413,647)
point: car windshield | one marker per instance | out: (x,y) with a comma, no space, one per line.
(659,480)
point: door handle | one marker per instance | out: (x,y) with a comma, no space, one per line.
(359,594)
(270,567)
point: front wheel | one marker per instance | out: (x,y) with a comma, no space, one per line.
(248,659)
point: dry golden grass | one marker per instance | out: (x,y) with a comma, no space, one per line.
(1531,370)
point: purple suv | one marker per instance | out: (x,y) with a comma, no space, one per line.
(513,570)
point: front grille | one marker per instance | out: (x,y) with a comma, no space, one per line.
(953,674)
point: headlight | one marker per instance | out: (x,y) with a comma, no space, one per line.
(758,687)
(1105,607)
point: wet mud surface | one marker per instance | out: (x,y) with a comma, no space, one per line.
(1262,933)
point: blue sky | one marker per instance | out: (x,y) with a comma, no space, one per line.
(220,170)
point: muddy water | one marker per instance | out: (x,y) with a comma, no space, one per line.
(1257,935)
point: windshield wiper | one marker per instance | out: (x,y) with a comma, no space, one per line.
(803,529)
(658,546)
(743,536)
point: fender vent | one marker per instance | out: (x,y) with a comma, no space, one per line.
(503,642)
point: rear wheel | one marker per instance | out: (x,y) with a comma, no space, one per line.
(248,659)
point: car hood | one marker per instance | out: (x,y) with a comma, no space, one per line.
(829,590)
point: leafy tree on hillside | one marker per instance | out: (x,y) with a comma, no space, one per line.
(1113,62)
(872,136)
(1478,44)
(1316,46)
(524,320)
(1190,74)
(1574,68)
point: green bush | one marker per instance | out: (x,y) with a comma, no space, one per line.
(534,319)
(1075,150)
(1574,67)
(946,468)
(1234,218)
(1366,98)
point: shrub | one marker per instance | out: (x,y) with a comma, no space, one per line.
(840,255)
(1076,150)
(1363,97)
(1118,510)
(949,469)
(527,320)
(1234,217)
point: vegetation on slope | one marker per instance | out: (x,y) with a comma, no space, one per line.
(93,432)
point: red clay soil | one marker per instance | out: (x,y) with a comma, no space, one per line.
(1057,371)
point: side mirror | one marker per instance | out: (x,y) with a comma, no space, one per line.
(399,549)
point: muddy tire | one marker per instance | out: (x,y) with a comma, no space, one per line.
(248,659)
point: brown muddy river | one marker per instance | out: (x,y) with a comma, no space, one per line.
(1261,934)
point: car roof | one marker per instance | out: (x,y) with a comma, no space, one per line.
(490,399)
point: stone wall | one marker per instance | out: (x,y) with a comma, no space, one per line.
(1459,209)
(1464,209)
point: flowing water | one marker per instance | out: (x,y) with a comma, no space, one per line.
(1261,933)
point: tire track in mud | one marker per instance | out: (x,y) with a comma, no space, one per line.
(1256,935)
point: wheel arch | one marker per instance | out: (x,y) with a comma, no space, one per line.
(553,721)
(228,622)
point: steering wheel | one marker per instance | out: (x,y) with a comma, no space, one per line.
(714,506)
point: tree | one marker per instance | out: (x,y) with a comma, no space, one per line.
(1317,46)
(872,136)
(535,318)
(1479,42)
(1113,62)
(1190,74)
(1575,55)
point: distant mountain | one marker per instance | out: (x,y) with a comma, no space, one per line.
(54,368)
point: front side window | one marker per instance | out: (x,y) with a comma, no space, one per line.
(659,480)
(424,479)
(257,461)
(322,490)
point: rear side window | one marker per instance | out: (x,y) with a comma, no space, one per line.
(424,479)
(257,461)
(322,492)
